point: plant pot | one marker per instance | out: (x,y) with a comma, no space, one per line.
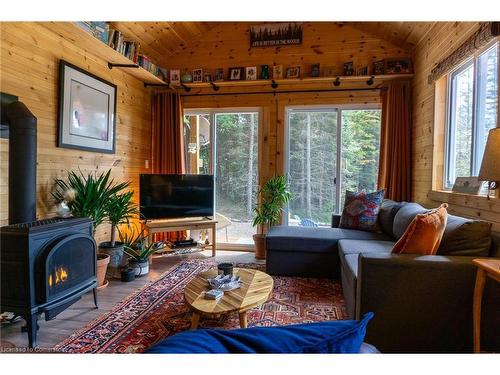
(117,259)
(102,266)
(141,267)
(260,246)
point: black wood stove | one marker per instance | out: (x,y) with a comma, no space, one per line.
(46,266)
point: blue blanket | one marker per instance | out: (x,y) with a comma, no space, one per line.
(338,336)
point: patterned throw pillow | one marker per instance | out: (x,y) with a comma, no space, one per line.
(361,210)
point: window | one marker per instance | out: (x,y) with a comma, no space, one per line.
(225,143)
(472,102)
(330,150)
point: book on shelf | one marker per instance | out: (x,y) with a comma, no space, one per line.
(123,45)
(97,29)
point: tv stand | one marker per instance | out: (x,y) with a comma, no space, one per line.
(161,226)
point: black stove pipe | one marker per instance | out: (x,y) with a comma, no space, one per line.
(22,162)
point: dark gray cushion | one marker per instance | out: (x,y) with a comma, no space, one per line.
(405,216)
(388,211)
(362,246)
(495,245)
(465,237)
(313,240)
(349,274)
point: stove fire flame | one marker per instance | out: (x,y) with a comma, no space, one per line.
(59,275)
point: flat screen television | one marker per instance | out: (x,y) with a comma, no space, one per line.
(167,196)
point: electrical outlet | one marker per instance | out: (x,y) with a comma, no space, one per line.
(146,163)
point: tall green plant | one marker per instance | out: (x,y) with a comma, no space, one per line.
(271,197)
(120,209)
(92,194)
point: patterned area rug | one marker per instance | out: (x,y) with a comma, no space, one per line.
(158,311)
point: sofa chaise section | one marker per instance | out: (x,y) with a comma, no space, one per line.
(309,252)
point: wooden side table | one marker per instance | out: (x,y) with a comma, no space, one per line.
(486,267)
(159,226)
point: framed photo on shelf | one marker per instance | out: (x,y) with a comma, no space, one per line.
(175,76)
(197,75)
(87,110)
(378,68)
(235,74)
(278,72)
(219,74)
(251,73)
(398,66)
(315,70)
(207,77)
(348,68)
(293,72)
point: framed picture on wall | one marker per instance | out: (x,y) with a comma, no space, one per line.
(236,74)
(87,110)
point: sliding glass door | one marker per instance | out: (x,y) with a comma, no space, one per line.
(330,150)
(227,146)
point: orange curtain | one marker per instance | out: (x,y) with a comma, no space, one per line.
(395,142)
(167,142)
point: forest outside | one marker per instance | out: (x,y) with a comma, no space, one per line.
(235,166)
(315,145)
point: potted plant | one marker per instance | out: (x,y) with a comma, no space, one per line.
(119,210)
(271,199)
(88,196)
(138,250)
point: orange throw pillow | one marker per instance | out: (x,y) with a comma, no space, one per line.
(424,233)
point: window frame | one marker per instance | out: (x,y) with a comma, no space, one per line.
(212,112)
(450,124)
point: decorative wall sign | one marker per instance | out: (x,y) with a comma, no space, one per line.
(276,34)
(87,110)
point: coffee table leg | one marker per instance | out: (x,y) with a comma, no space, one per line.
(243,319)
(195,318)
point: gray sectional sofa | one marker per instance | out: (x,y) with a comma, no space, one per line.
(421,303)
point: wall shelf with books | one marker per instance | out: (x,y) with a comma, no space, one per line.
(76,35)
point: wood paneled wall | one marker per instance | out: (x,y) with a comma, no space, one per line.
(329,43)
(441,40)
(29,69)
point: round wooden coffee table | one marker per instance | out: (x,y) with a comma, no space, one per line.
(256,288)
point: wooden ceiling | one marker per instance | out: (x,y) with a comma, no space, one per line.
(161,40)
(402,34)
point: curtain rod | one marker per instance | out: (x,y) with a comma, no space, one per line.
(285,91)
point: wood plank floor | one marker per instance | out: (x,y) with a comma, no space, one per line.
(83,311)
